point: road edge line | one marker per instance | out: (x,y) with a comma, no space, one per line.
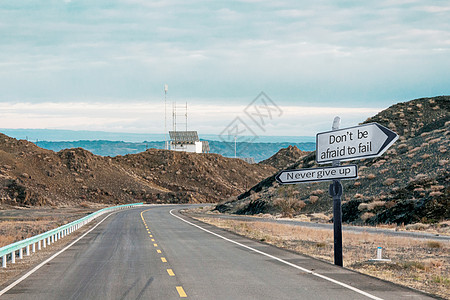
(25,276)
(281,260)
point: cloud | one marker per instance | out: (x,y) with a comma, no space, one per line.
(295,50)
(141,117)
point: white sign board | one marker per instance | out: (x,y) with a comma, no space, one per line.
(359,142)
(317,174)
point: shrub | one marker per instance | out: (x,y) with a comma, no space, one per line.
(433,244)
(321,244)
(443,162)
(389,181)
(413,265)
(313,199)
(375,204)
(417,226)
(289,206)
(363,206)
(317,192)
(436,194)
(359,196)
(390,204)
(84,204)
(367,215)
(437,187)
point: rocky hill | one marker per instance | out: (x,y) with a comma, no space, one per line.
(285,157)
(408,184)
(31,176)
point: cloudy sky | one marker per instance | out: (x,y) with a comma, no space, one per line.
(102,65)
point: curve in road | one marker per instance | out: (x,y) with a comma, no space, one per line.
(150,253)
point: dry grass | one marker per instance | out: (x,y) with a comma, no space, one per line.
(415,263)
(11,231)
(14,270)
(16,226)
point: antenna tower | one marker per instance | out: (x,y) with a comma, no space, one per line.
(166,144)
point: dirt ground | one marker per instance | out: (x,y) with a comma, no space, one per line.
(419,264)
(21,223)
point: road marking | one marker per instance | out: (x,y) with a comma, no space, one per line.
(159,251)
(49,259)
(170,272)
(163,259)
(150,235)
(281,260)
(181,292)
(153,240)
(155,245)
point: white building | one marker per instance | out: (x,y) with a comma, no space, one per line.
(187,141)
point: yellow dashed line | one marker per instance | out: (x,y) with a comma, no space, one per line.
(181,292)
(180,289)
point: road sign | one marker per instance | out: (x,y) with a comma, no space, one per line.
(317,174)
(364,141)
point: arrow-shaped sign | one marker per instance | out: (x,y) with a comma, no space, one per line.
(317,174)
(364,141)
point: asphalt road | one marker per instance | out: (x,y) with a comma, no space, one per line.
(347,228)
(173,259)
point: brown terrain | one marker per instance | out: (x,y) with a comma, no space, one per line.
(285,157)
(407,184)
(31,176)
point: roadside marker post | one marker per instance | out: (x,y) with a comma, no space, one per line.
(359,142)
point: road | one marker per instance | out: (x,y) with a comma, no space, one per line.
(156,253)
(345,228)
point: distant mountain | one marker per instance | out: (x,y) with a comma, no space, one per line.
(259,151)
(407,184)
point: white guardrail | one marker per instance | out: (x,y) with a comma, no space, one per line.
(42,240)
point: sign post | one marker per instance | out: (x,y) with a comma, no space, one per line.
(336,192)
(359,142)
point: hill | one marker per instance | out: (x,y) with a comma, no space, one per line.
(408,184)
(30,175)
(285,157)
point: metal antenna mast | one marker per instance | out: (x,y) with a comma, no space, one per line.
(166,88)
